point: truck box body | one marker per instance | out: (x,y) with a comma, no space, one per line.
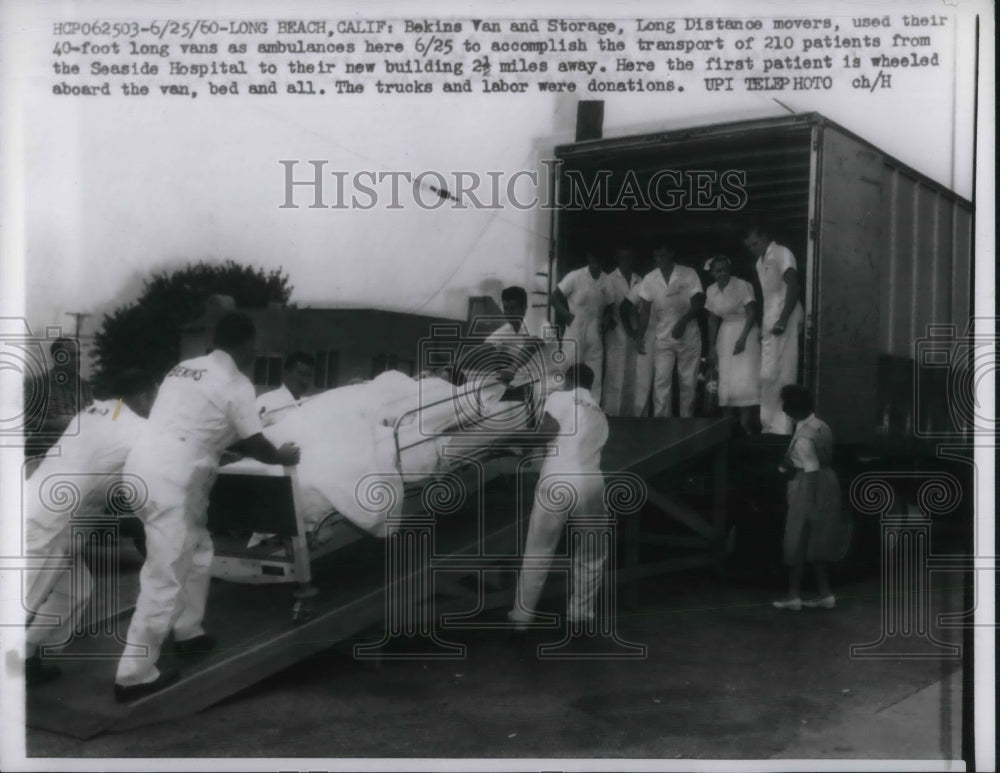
(883,252)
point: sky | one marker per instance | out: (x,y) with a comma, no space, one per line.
(114,189)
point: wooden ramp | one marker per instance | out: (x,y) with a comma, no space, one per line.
(253,624)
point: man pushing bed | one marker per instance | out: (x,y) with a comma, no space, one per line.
(204,405)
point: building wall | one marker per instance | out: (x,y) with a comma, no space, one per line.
(348,343)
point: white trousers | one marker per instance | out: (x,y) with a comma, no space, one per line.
(545,529)
(628,376)
(585,333)
(644,366)
(686,355)
(779,366)
(55,599)
(173,586)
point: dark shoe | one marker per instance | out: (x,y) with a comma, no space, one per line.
(132,692)
(36,672)
(528,639)
(522,643)
(197,647)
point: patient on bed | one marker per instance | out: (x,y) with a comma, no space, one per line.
(349,440)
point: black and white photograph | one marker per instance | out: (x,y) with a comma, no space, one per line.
(494,386)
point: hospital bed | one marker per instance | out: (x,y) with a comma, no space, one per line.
(248,496)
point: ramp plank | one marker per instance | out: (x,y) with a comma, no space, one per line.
(257,637)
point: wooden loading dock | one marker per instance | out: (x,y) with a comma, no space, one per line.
(258,638)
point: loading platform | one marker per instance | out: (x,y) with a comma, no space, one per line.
(360,587)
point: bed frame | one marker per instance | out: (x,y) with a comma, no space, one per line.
(269,501)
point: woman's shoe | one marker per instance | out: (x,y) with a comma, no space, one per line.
(827,602)
(793,604)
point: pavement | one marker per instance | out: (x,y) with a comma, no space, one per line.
(724,676)
(907,724)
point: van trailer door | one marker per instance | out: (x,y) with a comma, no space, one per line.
(846,285)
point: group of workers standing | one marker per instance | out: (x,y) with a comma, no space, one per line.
(635,331)
(629,334)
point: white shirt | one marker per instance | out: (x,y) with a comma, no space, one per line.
(513,341)
(633,293)
(506,334)
(276,399)
(619,288)
(771,270)
(729,304)
(583,431)
(95,449)
(587,296)
(102,439)
(670,300)
(802,452)
(204,406)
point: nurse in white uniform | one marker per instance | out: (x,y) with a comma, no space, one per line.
(672,296)
(581,300)
(779,281)
(87,465)
(734,340)
(204,405)
(621,357)
(578,431)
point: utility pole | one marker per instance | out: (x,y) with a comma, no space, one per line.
(79,316)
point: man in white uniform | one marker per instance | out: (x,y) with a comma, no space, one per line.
(204,406)
(578,431)
(88,462)
(581,300)
(517,345)
(514,333)
(296,378)
(779,361)
(621,367)
(631,307)
(672,296)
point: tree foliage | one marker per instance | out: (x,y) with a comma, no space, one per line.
(147,332)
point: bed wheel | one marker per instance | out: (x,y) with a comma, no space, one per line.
(302,609)
(301,612)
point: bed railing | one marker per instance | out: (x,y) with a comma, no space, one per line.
(472,422)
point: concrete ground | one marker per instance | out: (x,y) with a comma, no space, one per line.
(725,676)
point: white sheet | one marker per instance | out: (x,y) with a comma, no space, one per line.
(348,445)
